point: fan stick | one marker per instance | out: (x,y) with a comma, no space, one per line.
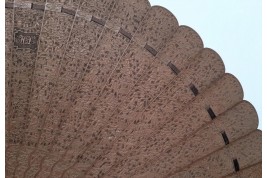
(120,123)
(41,85)
(9,22)
(194,51)
(219,164)
(48,127)
(134,46)
(26,29)
(109,33)
(241,117)
(182,122)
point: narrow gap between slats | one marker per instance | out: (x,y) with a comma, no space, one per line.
(194,89)
(151,50)
(225,138)
(68,11)
(211,113)
(126,34)
(236,165)
(173,68)
(98,21)
(9,5)
(38,7)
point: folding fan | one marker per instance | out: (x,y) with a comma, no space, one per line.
(116,88)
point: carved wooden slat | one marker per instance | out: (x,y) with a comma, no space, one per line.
(69,73)
(8,65)
(246,150)
(73,4)
(241,117)
(181,55)
(190,52)
(131,121)
(100,9)
(128,15)
(27,26)
(53,39)
(131,75)
(115,88)
(157,20)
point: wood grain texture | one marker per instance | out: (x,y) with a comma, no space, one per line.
(253,171)
(116,88)
(220,163)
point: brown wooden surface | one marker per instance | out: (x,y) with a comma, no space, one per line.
(117,88)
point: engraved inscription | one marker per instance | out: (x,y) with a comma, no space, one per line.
(25,40)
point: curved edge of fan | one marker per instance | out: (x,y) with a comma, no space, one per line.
(152,46)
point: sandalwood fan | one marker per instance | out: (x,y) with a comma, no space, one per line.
(117,88)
